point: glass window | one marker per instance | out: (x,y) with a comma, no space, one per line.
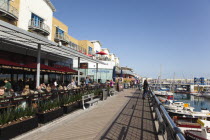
(36,20)
(59,31)
(90,49)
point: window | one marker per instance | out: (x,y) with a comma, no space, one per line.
(36,20)
(90,50)
(5,4)
(59,32)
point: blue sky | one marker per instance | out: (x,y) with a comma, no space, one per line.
(145,33)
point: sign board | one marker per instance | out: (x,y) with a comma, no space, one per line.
(83,65)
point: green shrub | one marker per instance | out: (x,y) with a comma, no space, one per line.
(48,105)
(15,114)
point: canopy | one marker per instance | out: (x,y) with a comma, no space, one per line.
(101,53)
(66,69)
(9,64)
(44,68)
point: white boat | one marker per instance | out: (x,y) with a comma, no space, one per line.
(187,123)
(204,134)
(190,113)
(206,95)
(180,112)
(163,93)
(178,106)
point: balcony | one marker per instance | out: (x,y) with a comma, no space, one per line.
(39,27)
(103,58)
(62,37)
(8,11)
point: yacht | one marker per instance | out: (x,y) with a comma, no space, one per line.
(203,134)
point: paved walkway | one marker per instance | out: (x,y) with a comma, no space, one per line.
(121,117)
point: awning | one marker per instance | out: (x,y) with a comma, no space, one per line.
(44,68)
(10,34)
(66,69)
(10,65)
(101,53)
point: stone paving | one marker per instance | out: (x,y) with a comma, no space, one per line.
(124,116)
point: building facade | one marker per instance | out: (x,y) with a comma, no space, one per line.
(40,38)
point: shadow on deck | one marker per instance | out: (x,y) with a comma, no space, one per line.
(135,121)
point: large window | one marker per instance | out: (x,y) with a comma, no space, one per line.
(5,4)
(59,32)
(90,50)
(36,20)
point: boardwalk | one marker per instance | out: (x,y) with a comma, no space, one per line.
(124,116)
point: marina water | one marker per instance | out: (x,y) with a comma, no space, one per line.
(196,102)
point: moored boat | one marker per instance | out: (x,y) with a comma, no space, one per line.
(204,134)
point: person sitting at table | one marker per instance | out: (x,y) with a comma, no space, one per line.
(1,92)
(43,86)
(26,90)
(65,88)
(48,88)
(7,86)
(60,87)
(39,89)
(69,86)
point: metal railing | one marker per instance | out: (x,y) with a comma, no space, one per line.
(62,37)
(166,124)
(103,58)
(4,6)
(37,24)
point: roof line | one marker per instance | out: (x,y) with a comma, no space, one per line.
(51,5)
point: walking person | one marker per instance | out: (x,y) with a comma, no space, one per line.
(145,87)
(87,81)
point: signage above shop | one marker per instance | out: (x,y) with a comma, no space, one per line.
(83,65)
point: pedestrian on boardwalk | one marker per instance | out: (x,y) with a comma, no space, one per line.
(87,81)
(145,87)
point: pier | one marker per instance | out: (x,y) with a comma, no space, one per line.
(123,116)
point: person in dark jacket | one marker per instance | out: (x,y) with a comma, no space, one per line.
(145,87)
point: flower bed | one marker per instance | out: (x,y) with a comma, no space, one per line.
(16,121)
(18,127)
(50,115)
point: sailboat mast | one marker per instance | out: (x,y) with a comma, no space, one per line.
(160,75)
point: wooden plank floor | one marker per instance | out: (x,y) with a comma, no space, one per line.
(133,122)
(124,116)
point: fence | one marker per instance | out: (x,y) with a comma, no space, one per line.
(167,127)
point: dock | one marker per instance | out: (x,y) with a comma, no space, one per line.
(123,116)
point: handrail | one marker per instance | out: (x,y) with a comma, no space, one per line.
(9,8)
(62,37)
(177,134)
(39,24)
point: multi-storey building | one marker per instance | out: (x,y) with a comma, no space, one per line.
(99,72)
(31,35)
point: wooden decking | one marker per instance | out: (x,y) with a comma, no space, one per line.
(122,117)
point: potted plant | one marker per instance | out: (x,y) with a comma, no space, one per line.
(14,122)
(98,93)
(68,103)
(49,110)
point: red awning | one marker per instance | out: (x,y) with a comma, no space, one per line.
(66,69)
(9,64)
(101,53)
(43,68)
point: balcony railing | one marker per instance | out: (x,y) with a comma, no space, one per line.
(62,37)
(103,58)
(39,27)
(9,11)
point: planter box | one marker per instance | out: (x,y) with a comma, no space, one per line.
(18,128)
(49,116)
(68,109)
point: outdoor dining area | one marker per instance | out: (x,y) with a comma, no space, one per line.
(42,106)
